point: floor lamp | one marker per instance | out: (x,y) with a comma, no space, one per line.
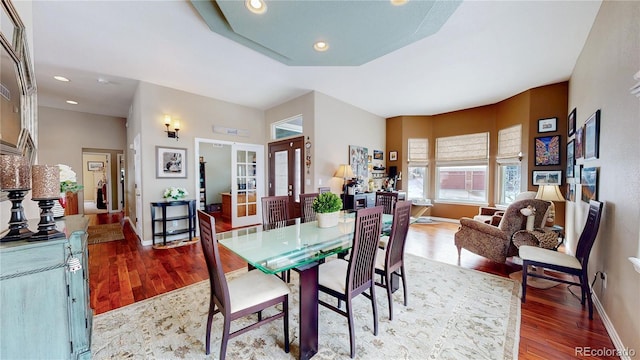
(344,172)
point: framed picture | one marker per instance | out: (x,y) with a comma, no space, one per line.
(570,158)
(571,192)
(359,161)
(589,184)
(378,154)
(592,136)
(393,155)
(171,162)
(577,172)
(578,153)
(547,150)
(552,177)
(547,125)
(571,123)
(95,165)
(26,146)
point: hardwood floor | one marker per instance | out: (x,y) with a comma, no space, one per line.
(553,322)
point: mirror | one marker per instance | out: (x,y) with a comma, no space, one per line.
(10,79)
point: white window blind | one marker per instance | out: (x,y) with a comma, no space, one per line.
(419,150)
(509,142)
(474,147)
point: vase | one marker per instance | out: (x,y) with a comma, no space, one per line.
(326,220)
(58,206)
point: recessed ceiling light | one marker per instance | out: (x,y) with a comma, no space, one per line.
(398,2)
(104,81)
(72,102)
(256,6)
(321,46)
(61,78)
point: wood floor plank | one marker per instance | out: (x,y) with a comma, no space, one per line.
(553,322)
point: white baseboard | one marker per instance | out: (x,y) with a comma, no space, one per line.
(623,352)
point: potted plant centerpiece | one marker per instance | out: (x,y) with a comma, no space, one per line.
(327,207)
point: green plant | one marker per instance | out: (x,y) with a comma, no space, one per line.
(327,202)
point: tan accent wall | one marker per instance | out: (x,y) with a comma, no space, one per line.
(524,108)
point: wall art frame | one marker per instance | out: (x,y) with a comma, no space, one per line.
(95,165)
(589,183)
(359,161)
(548,125)
(378,155)
(592,136)
(547,177)
(579,148)
(571,122)
(171,162)
(393,155)
(547,150)
(570,158)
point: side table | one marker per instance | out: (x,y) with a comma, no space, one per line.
(190,219)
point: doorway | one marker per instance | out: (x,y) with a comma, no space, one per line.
(96,178)
(286,175)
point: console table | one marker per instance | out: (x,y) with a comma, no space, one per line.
(364,200)
(45,311)
(187,219)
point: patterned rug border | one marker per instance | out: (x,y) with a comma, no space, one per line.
(441,347)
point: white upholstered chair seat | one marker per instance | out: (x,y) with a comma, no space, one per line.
(380,259)
(254,288)
(384,240)
(535,253)
(333,274)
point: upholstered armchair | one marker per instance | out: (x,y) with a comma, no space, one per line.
(494,242)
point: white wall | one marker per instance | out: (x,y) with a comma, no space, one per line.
(217,170)
(601,80)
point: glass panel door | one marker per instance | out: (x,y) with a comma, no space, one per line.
(247,170)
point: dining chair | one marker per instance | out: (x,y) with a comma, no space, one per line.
(307,213)
(390,260)
(388,200)
(565,263)
(244,295)
(275,213)
(346,279)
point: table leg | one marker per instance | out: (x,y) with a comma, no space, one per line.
(308,311)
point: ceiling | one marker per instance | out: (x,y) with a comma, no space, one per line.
(485,52)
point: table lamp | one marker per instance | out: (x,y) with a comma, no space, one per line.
(550,193)
(344,172)
(15,178)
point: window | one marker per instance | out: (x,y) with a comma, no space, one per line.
(461,168)
(417,184)
(287,128)
(509,168)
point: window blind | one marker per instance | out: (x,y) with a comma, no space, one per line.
(509,142)
(470,147)
(418,150)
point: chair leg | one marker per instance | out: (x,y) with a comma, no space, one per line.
(525,267)
(285,306)
(584,281)
(225,338)
(352,335)
(375,308)
(212,307)
(404,283)
(387,286)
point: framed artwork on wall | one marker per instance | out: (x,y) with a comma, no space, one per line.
(570,158)
(95,165)
(592,136)
(589,184)
(547,177)
(571,125)
(547,150)
(548,125)
(359,161)
(378,154)
(393,155)
(579,142)
(171,162)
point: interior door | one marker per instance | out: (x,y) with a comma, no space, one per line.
(247,179)
(286,175)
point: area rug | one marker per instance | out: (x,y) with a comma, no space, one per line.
(452,313)
(104,233)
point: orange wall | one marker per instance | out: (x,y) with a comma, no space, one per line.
(524,108)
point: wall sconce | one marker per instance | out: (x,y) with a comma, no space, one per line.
(520,156)
(176,127)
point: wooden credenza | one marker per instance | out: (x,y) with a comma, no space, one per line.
(45,312)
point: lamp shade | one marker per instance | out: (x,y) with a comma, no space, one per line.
(549,193)
(344,171)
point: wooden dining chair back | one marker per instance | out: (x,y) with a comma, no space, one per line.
(307,213)
(275,211)
(390,261)
(346,279)
(242,296)
(387,200)
(565,263)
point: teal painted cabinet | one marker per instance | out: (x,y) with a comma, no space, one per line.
(44,307)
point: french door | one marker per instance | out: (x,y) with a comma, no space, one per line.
(247,179)
(286,175)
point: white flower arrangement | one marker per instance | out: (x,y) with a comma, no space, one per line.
(68,180)
(175,193)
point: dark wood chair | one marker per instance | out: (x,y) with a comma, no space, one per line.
(275,213)
(387,200)
(390,261)
(565,263)
(245,295)
(346,279)
(307,213)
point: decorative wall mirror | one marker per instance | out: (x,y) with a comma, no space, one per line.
(17,88)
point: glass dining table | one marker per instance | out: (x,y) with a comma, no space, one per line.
(299,246)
